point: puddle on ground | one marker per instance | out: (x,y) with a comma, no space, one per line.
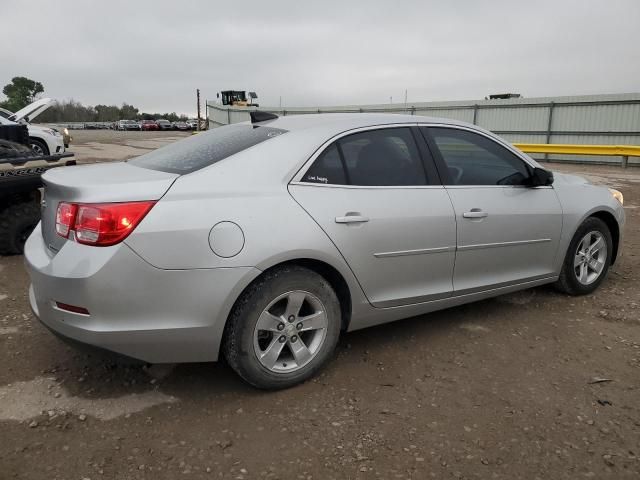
(24,400)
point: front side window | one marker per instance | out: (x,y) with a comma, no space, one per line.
(473,159)
(384,157)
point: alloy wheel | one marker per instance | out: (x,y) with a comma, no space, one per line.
(590,258)
(290,331)
(37,148)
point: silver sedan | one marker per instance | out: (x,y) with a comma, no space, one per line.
(264,241)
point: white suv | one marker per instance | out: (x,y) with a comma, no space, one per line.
(43,140)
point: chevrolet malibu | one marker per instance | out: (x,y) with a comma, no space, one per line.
(264,241)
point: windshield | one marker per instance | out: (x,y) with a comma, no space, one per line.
(204,149)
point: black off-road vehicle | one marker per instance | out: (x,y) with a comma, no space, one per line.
(20,172)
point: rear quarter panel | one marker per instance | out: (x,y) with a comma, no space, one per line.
(250,190)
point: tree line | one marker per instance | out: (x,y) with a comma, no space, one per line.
(22,91)
(73,111)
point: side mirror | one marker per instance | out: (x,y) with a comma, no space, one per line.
(541,177)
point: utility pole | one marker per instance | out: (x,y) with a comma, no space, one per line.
(198,100)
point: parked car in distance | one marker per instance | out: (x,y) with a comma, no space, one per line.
(128,125)
(148,125)
(263,242)
(164,124)
(193,124)
(180,125)
(43,140)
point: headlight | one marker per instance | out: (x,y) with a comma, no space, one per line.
(617,195)
(50,131)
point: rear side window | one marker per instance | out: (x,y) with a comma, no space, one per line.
(327,169)
(385,157)
(204,149)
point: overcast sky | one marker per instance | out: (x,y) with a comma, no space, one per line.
(154,54)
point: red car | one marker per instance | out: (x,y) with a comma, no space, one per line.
(149,125)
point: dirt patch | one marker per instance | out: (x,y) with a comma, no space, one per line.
(25,400)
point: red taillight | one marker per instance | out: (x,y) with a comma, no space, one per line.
(65,216)
(100,224)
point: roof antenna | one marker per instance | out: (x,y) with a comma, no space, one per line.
(257,116)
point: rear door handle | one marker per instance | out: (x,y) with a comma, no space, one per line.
(352,219)
(475,213)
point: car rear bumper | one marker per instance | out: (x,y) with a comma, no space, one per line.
(135,309)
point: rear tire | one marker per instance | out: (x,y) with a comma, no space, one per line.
(262,322)
(17,221)
(585,265)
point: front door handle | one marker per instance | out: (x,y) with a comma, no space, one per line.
(475,213)
(351,218)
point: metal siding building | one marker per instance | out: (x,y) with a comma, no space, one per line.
(588,119)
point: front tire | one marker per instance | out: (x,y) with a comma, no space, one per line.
(283,328)
(588,258)
(38,146)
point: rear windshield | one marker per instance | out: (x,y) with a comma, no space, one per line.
(206,148)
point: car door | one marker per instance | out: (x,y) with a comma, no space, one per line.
(508,232)
(378,198)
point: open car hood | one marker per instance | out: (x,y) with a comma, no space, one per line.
(32,110)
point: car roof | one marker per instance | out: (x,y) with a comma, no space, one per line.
(340,122)
(305,135)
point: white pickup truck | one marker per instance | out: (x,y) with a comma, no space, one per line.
(26,152)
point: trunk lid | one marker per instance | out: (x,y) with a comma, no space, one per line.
(98,183)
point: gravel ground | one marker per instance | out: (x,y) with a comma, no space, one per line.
(92,146)
(529,385)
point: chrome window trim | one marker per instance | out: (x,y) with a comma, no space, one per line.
(462,187)
(368,187)
(297,178)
